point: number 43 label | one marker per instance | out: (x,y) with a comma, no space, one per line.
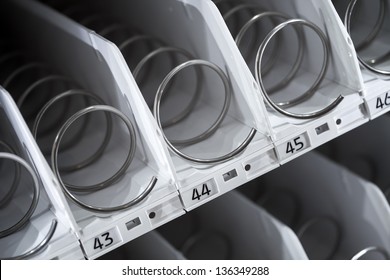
(293,146)
(103,241)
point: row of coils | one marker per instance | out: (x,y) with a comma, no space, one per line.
(140,52)
(37,89)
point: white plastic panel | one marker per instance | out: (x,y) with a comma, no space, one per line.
(335,213)
(319,132)
(342,76)
(50,206)
(367,17)
(203,34)
(92,63)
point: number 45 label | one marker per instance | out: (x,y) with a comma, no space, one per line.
(293,146)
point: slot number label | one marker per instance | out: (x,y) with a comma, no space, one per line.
(381,102)
(199,193)
(293,146)
(104,241)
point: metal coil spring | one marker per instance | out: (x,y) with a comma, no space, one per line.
(329,222)
(19,162)
(316,224)
(10,154)
(7,197)
(292,209)
(372,63)
(231,11)
(366,251)
(106,27)
(23,66)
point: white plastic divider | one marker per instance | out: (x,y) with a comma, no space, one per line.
(196,27)
(377,87)
(294,136)
(270,240)
(245,232)
(63,244)
(96,65)
(335,213)
(369,156)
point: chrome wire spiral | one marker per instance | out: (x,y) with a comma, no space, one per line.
(291,215)
(372,63)
(28,79)
(127,39)
(9,154)
(327,226)
(7,197)
(233,13)
(19,162)
(365,252)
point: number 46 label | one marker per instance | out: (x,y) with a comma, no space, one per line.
(380,103)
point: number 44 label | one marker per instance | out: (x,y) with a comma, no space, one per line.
(199,193)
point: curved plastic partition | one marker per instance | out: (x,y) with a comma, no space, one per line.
(367,23)
(126,170)
(194,81)
(33,223)
(336,214)
(302,60)
(369,156)
(247,232)
(305,65)
(124,115)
